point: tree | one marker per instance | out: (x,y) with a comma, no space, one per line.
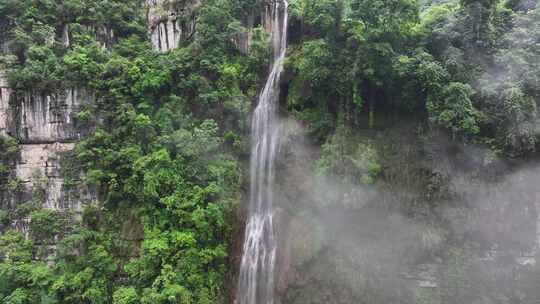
(454,110)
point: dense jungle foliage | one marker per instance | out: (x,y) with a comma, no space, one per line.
(168,135)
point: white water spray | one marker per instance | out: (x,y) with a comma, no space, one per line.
(256,282)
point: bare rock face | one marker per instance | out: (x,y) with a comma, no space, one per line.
(43,125)
(265,16)
(268,15)
(40,160)
(170,22)
(104,35)
(39,169)
(5,92)
(39,118)
(66,41)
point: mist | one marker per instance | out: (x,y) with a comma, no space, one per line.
(469,233)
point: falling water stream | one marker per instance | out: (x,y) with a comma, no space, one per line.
(256,282)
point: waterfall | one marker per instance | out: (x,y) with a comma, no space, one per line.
(256,282)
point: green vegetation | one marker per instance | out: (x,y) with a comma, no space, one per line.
(342,157)
(9,150)
(466,65)
(163,157)
(168,134)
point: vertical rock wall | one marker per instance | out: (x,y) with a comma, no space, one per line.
(171,22)
(38,118)
(264,16)
(39,170)
(4,103)
(44,127)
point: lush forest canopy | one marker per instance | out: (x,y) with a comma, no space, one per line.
(169,133)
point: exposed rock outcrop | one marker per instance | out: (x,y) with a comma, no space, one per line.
(39,169)
(5,92)
(171,22)
(43,125)
(265,16)
(39,118)
(103,34)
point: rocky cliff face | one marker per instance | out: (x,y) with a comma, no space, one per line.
(171,22)
(45,127)
(46,131)
(39,169)
(262,16)
(4,103)
(45,118)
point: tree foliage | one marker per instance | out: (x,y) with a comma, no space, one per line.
(156,153)
(169,130)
